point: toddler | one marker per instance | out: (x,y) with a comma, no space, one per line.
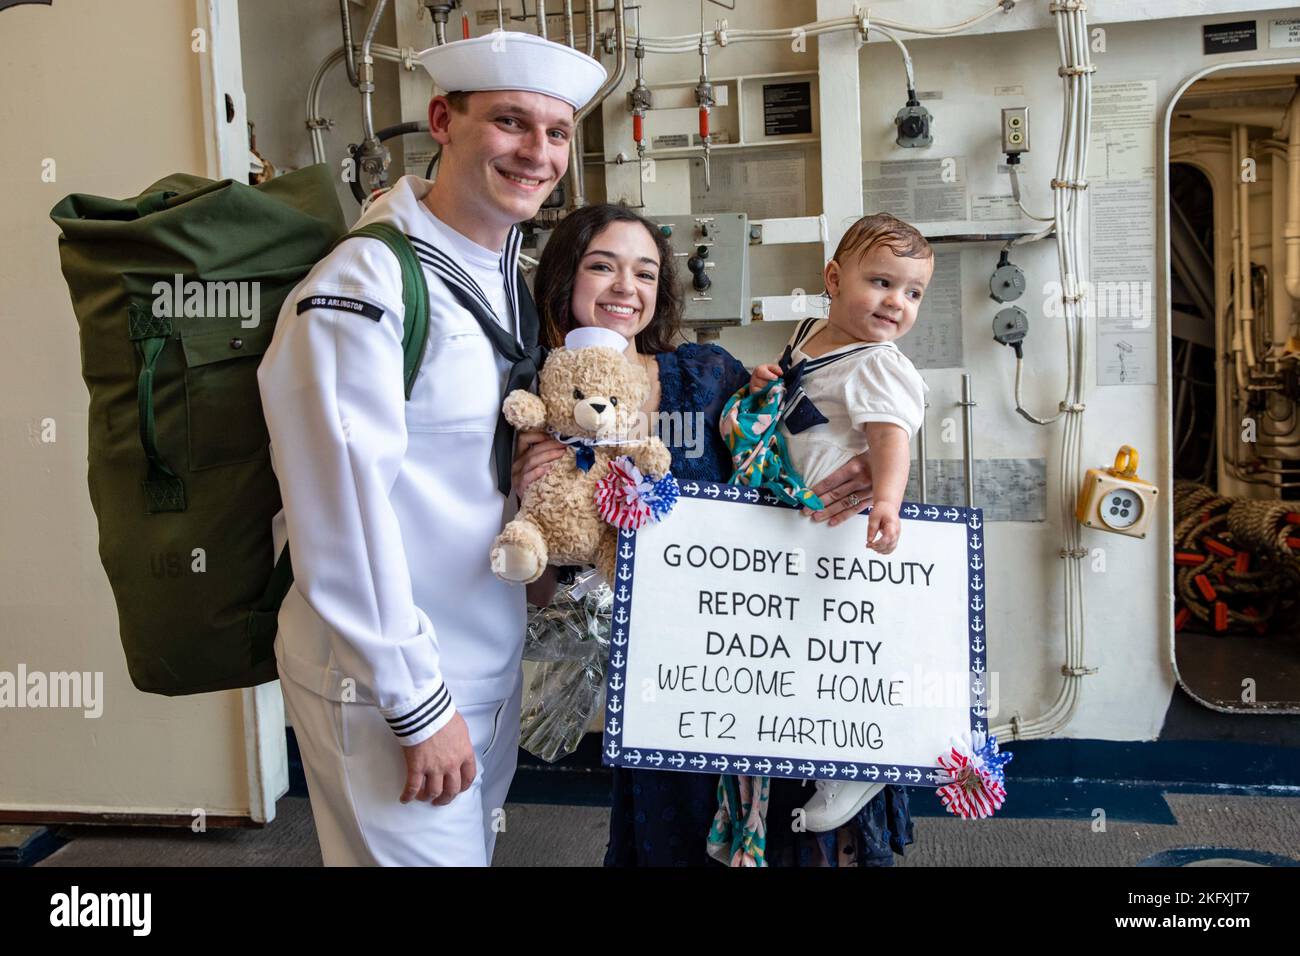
(850,390)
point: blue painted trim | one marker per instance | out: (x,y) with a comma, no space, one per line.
(776,764)
(32,850)
(1203,765)
(1184,856)
(1058,779)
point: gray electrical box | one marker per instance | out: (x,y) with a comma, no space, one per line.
(711,253)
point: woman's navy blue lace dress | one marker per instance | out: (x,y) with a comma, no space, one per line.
(660,817)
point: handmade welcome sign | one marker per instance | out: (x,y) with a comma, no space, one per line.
(748,639)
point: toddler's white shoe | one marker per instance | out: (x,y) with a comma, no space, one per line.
(836,802)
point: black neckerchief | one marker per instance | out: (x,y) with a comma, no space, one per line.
(525,356)
(798,411)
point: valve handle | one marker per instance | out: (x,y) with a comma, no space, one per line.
(636,128)
(704,122)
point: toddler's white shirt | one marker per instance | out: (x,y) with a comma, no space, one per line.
(879,384)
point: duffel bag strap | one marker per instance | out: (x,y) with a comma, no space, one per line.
(415,295)
(415,335)
(262,619)
(163,491)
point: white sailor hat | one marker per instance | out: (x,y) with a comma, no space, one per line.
(595,336)
(511,60)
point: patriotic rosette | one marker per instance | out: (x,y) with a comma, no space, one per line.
(628,499)
(974,783)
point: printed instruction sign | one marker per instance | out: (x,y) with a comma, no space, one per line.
(747,639)
(916,190)
(935,341)
(1236,37)
(1122,231)
(1123,141)
(787,108)
(1284,32)
(767,186)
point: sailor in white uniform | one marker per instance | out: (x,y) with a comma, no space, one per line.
(398,649)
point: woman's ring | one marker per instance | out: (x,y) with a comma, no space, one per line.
(853,500)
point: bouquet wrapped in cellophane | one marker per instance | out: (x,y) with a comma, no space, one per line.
(569,643)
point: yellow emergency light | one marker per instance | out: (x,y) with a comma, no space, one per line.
(1116,499)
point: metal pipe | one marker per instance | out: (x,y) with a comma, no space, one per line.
(349,59)
(1264,316)
(968,438)
(640,97)
(578,184)
(568,23)
(704,93)
(1224,416)
(373,26)
(1291,229)
(922,483)
(501,17)
(1233,463)
(1234,330)
(575,191)
(315,123)
(1247,317)
(541,19)
(591,14)
(367,74)
(404,55)
(440,32)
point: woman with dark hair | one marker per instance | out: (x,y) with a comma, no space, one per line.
(605,265)
(562,269)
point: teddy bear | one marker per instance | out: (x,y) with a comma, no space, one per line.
(590,397)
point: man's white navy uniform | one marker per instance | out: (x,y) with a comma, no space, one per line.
(395,622)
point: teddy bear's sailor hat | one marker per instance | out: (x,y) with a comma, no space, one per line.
(511,60)
(595,336)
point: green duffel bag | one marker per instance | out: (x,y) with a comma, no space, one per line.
(176,293)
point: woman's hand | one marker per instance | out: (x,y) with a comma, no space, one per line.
(535,452)
(845,492)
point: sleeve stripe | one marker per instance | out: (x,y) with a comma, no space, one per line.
(442,708)
(438,699)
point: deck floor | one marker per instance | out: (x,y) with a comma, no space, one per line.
(558,835)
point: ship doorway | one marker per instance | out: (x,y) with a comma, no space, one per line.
(1233,389)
